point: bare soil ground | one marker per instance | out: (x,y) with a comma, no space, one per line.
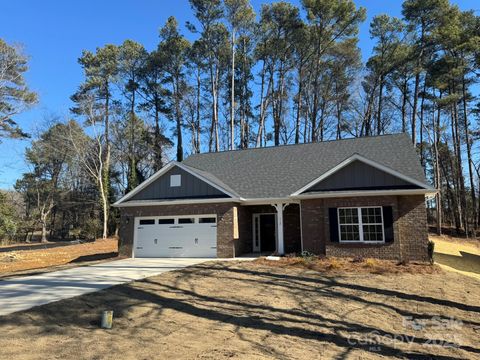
(255,310)
(457,254)
(21,259)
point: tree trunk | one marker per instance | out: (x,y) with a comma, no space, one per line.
(44,232)
(414,109)
(379,112)
(261,120)
(198,116)
(404,105)
(299,104)
(469,154)
(438,183)
(105,176)
(422,157)
(232,96)
(178,118)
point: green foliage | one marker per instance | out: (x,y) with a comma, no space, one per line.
(91,229)
(8,218)
(15,96)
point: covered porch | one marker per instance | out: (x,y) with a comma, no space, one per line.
(272,228)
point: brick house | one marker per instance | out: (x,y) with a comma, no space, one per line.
(352,197)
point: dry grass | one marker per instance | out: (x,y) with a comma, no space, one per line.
(23,257)
(351,265)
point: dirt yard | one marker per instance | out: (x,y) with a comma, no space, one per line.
(250,310)
(22,258)
(456,254)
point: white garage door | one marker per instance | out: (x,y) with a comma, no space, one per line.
(176,236)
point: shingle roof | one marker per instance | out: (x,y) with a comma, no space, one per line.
(276,172)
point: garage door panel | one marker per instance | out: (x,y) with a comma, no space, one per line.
(181,239)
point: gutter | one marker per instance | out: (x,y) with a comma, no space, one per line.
(333,194)
(175,202)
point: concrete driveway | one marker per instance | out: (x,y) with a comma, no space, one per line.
(23,293)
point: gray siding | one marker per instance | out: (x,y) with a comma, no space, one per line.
(359,175)
(191,187)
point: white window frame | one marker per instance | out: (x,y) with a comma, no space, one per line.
(175,180)
(360,226)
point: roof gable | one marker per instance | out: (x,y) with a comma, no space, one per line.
(357,173)
(191,187)
(194,184)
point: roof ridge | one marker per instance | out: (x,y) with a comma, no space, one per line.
(302,144)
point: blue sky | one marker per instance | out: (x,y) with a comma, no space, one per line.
(54,33)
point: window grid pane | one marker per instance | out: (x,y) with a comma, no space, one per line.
(367,228)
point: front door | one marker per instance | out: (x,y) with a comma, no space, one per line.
(264,232)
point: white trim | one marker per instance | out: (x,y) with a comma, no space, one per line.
(301,228)
(273,201)
(360,225)
(366,161)
(176,202)
(162,171)
(268,201)
(280,232)
(334,194)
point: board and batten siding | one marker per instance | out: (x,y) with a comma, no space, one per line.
(191,187)
(359,175)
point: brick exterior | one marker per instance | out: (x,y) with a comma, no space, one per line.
(409,227)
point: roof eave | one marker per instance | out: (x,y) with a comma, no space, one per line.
(175,202)
(334,194)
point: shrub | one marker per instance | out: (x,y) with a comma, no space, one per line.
(370,263)
(91,229)
(431,249)
(308,256)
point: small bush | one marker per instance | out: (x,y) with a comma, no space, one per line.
(308,256)
(370,263)
(91,229)
(431,249)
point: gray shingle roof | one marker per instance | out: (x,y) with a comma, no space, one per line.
(272,172)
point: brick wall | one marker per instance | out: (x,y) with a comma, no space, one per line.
(409,227)
(412,223)
(224,211)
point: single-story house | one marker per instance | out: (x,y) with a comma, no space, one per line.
(352,197)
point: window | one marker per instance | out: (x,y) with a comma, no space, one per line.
(207,220)
(175,180)
(186,221)
(166,221)
(147,222)
(361,224)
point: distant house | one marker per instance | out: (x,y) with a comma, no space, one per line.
(353,197)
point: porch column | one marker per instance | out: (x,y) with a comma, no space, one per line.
(280,244)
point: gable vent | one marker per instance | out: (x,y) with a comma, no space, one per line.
(175,180)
